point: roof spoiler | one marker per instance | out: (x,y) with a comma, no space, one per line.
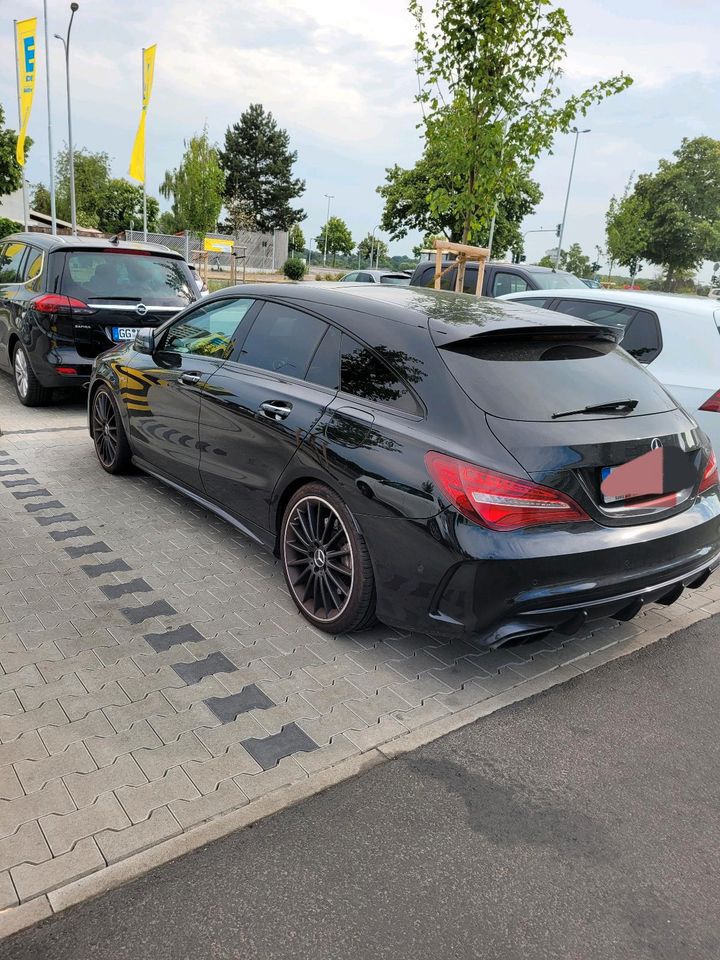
(587,332)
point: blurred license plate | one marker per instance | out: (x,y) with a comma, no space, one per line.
(604,474)
(124,333)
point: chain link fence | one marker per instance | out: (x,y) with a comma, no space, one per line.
(263,252)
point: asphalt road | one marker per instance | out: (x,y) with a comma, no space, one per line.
(583,823)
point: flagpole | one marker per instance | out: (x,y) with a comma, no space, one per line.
(53,213)
(144,155)
(26,216)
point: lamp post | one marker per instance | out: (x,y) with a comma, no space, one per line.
(51,158)
(330,197)
(372,243)
(567,195)
(66,44)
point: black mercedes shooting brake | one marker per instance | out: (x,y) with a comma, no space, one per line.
(431,459)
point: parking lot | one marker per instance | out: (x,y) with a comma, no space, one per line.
(155,674)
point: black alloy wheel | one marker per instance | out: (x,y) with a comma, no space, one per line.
(326,562)
(108,433)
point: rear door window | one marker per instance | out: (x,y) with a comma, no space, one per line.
(504,282)
(543,302)
(350,278)
(12,255)
(283,340)
(97,275)
(365,375)
(641,329)
(33,264)
(324,367)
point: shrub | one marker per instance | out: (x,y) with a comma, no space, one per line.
(9,226)
(294,268)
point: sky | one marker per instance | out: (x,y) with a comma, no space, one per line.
(339,76)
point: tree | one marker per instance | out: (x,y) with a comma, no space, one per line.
(240,217)
(121,207)
(576,262)
(40,198)
(374,246)
(296,240)
(11,172)
(196,186)
(489,73)
(339,238)
(626,229)
(257,163)
(166,223)
(9,226)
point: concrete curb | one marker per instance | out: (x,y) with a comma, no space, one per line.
(17,918)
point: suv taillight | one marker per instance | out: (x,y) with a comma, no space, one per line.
(55,303)
(712,404)
(496,500)
(710,477)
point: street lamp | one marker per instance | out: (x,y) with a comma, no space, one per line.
(66,44)
(567,195)
(372,243)
(330,197)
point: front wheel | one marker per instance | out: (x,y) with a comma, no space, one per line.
(326,562)
(30,391)
(108,433)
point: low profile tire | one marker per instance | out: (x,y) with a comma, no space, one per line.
(326,562)
(30,391)
(108,433)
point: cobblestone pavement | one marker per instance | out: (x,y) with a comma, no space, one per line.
(154,673)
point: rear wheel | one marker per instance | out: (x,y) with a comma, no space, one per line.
(326,562)
(30,391)
(108,433)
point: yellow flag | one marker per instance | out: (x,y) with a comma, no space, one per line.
(137,158)
(25,32)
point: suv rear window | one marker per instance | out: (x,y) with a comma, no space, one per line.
(533,376)
(126,275)
(555,280)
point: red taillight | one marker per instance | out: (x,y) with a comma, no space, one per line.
(712,404)
(710,477)
(54,303)
(67,371)
(496,500)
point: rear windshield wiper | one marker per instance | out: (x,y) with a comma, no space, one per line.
(613,406)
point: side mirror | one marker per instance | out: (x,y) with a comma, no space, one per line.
(145,341)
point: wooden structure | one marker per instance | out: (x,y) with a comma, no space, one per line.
(463,253)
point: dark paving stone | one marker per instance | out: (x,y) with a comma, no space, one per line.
(194,672)
(67,534)
(99,547)
(60,518)
(20,483)
(161,608)
(227,709)
(267,751)
(114,590)
(98,569)
(163,641)
(10,473)
(49,504)
(8,463)
(24,494)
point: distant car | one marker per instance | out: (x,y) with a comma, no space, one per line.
(499,278)
(203,288)
(677,336)
(593,284)
(395,278)
(64,300)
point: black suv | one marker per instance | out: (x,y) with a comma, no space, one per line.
(499,279)
(64,300)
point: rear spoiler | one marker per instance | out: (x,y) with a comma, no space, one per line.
(586,332)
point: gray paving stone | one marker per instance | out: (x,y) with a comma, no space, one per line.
(56,738)
(159,608)
(28,746)
(195,671)
(35,695)
(109,695)
(338,750)
(429,710)
(10,786)
(154,705)
(340,719)
(105,750)
(227,709)
(207,774)
(48,713)
(218,739)
(59,535)
(31,880)
(228,796)
(47,505)
(287,771)
(196,716)
(96,675)
(139,687)
(98,569)
(18,483)
(180,635)
(27,845)
(24,494)
(53,670)
(182,697)
(86,788)
(114,590)
(34,774)
(8,896)
(52,798)
(28,674)
(139,802)
(64,830)
(327,697)
(10,473)
(387,729)
(269,750)
(60,518)
(156,762)
(21,657)
(117,845)
(9,704)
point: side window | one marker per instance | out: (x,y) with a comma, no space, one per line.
(209,331)
(507,283)
(324,367)
(282,339)
(610,314)
(536,301)
(350,278)
(11,258)
(470,279)
(364,278)
(642,338)
(365,375)
(33,264)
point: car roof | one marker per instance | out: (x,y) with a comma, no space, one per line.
(652,300)
(61,241)
(452,315)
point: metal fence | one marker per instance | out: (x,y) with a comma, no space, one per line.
(263,252)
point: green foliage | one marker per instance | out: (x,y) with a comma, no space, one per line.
(166,223)
(257,163)
(626,229)
(240,216)
(489,73)
(40,198)
(122,206)
(374,245)
(294,268)
(196,186)
(10,170)
(296,239)
(572,260)
(9,226)
(339,238)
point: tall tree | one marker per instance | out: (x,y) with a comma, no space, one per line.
(626,229)
(10,169)
(196,186)
(339,238)
(296,240)
(122,207)
(257,162)
(489,73)
(577,262)
(374,246)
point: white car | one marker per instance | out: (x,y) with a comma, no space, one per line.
(203,288)
(677,337)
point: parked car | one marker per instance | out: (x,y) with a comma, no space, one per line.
(63,300)
(593,284)
(499,278)
(394,278)
(203,288)
(424,457)
(678,337)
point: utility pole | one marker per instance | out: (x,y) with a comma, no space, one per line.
(567,195)
(53,211)
(66,44)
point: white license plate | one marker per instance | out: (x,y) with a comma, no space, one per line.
(124,333)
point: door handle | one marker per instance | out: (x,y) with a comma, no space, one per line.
(190,378)
(276,409)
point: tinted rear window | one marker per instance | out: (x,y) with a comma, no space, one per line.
(95,275)
(555,281)
(534,377)
(397,281)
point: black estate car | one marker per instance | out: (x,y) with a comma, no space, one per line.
(499,278)
(63,300)
(433,459)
